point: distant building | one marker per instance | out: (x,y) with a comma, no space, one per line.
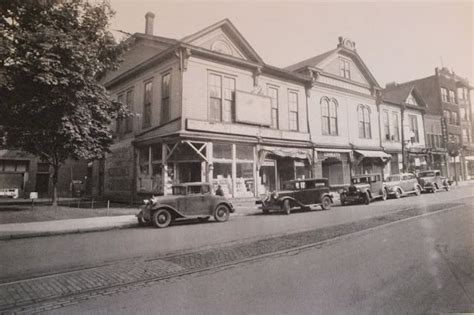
(448,96)
(402,128)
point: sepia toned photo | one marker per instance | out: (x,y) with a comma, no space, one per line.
(236,157)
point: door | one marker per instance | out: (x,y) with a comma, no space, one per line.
(42,185)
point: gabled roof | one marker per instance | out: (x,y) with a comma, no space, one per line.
(232,31)
(311,62)
(398,94)
(316,61)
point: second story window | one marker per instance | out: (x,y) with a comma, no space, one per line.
(454,118)
(444,94)
(221,98)
(165,98)
(273,94)
(345,68)
(147,104)
(396,127)
(130,106)
(293,110)
(329,116)
(414,134)
(119,125)
(447,115)
(386,125)
(363,113)
(452,98)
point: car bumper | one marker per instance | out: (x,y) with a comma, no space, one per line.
(352,198)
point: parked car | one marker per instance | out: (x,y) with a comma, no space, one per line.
(300,193)
(189,200)
(364,189)
(431,181)
(402,184)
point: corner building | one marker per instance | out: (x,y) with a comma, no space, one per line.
(206,108)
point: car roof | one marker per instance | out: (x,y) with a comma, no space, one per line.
(307,179)
(365,175)
(401,174)
(430,171)
(190,184)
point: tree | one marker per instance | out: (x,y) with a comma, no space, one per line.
(53,54)
(454,149)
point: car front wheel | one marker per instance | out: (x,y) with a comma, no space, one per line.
(161,218)
(418,190)
(397,194)
(221,214)
(326,203)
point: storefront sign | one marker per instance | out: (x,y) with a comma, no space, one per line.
(253,108)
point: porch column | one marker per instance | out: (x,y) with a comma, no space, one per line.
(210,164)
(164,167)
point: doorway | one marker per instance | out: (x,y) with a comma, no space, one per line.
(42,185)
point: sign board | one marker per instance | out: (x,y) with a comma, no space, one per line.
(33,195)
(253,109)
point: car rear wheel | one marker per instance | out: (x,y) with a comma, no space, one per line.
(326,203)
(161,218)
(366,198)
(286,207)
(221,214)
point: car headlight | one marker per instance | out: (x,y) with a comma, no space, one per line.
(275,195)
(146,201)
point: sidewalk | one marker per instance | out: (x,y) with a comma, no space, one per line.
(93,224)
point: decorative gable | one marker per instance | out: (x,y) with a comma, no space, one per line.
(220,42)
(411,100)
(344,66)
(224,38)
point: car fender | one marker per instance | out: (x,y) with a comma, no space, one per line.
(173,211)
(395,188)
(291,199)
(330,197)
(227,204)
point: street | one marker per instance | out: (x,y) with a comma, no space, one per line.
(414,254)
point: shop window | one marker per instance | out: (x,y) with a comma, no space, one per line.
(244,183)
(301,170)
(222,176)
(244,152)
(222,151)
(157,179)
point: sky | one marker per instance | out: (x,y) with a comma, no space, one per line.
(398,40)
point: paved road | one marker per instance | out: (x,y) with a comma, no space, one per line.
(68,252)
(422,265)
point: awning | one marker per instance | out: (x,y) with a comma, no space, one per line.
(374,154)
(302,154)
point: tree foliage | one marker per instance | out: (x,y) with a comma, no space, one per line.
(52,55)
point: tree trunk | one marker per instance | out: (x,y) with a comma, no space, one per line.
(55,184)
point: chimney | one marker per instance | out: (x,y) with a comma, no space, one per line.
(149,21)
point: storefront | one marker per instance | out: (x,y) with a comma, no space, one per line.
(279,164)
(333,164)
(369,162)
(417,159)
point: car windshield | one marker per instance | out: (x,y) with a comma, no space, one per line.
(359,180)
(179,190)
(427,174)
(393,178)
(289,185)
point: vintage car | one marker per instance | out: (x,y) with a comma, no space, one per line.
(189,200)
(431,181)
(299,193)
(364,189)
(402,184)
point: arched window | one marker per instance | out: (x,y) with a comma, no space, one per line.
(363,112)
(329,116)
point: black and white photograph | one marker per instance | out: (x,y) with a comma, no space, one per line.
(236,157)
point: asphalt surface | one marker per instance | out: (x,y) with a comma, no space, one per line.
(424,265)
(115,260)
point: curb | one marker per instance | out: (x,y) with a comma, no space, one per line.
(7,237)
